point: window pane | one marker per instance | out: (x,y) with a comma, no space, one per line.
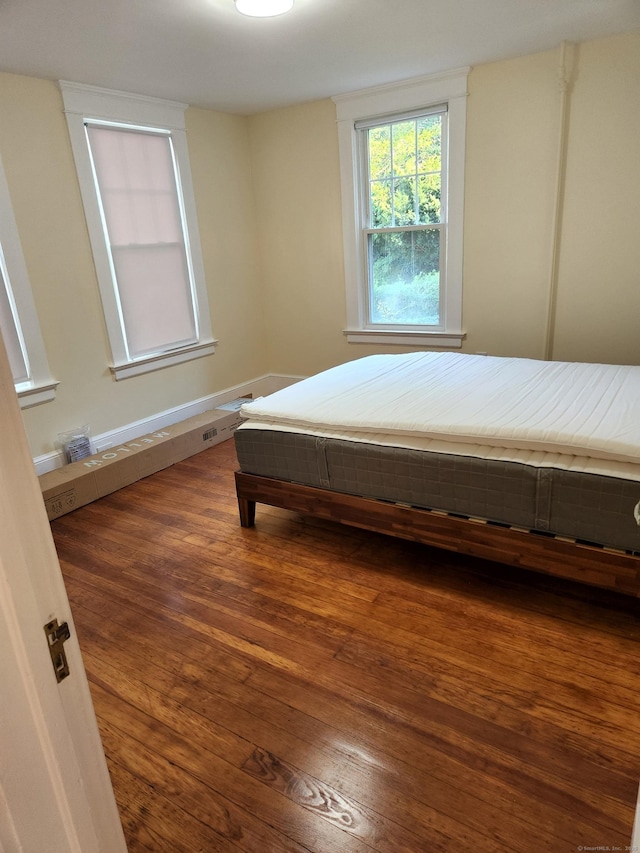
(156,303)
(430,144)
(429,199)
(380,152)
(404,201)
(381,207)
(405,277)
(404,148)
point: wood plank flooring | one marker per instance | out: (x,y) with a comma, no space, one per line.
(305,687)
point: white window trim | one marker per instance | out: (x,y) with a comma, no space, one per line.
(90,102)
(382,101)
(41,387)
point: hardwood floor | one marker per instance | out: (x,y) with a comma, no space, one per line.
(302,686)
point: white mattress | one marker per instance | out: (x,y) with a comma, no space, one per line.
(575,416)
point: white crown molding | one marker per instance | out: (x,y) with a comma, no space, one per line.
(112,105)
(403,95)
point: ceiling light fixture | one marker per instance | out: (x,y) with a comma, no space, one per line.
(263,8)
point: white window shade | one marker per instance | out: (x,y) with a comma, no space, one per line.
(145,233)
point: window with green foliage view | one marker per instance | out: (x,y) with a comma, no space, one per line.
(404,233)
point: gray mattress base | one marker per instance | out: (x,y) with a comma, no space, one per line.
(586,507)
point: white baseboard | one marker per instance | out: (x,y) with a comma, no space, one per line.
(260,387)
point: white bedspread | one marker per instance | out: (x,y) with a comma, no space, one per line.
(572,415)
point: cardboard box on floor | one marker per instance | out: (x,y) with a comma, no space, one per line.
(79,483)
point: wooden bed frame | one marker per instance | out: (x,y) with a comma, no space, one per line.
(590,564)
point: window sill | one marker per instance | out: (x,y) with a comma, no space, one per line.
(450,340)
(158,362)
(34,395)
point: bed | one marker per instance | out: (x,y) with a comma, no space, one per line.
(531,463)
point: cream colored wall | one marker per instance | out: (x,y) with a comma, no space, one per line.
(297,195)
(513,127)
(510,177)
(37,157)
(219,151)
(599,298)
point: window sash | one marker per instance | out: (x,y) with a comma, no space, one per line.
(142,216)
(371,318)
(365,161)
(402,308)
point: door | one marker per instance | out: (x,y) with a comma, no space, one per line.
(55,790)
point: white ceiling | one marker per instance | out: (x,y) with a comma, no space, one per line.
(205,53)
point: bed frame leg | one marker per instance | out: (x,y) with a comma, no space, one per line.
(247,512)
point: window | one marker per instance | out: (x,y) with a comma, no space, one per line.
(11,330)
(403,221)
(133,168)
(402,164)
(18,319)
(145,236)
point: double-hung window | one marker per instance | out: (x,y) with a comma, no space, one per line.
(404,222)
(19,326)
(11,329)
(136,189)
(402,164)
